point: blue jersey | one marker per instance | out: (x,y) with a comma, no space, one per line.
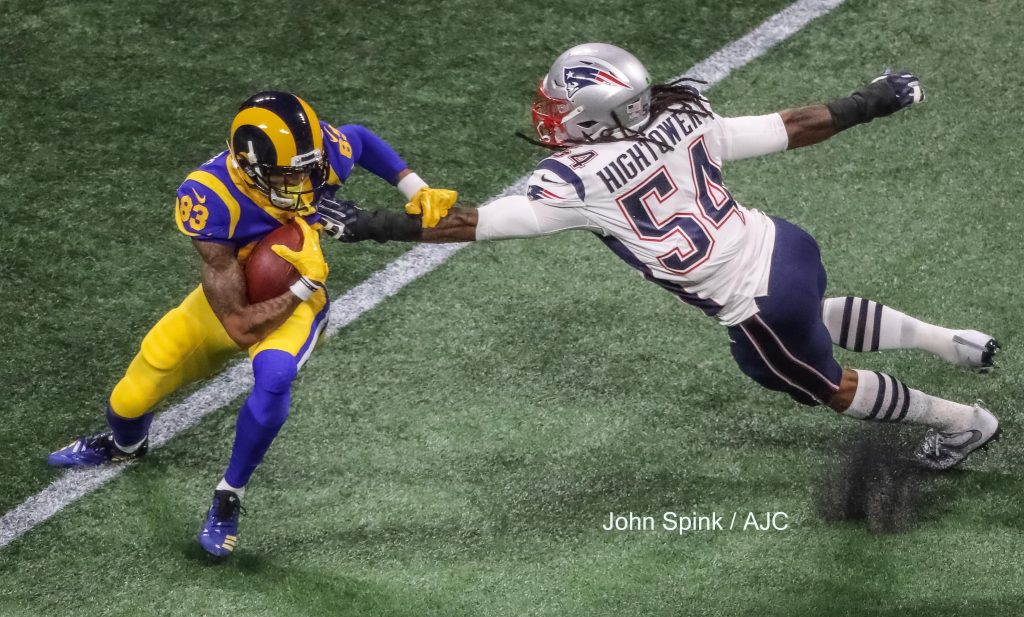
(216,205)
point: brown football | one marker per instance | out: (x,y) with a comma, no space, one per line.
(267,275)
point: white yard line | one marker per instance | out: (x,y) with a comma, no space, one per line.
(237,379)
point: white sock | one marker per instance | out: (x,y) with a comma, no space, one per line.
(864,325)
(224,486)
(883,398)
(131,448)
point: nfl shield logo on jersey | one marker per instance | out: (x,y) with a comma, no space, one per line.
(577,77)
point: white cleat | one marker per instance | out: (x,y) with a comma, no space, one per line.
(975,349)
(941,451)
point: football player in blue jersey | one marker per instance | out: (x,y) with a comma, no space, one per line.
(281,160)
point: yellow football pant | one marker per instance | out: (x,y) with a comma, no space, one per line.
(189,343)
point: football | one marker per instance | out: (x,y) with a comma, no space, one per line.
(266,274)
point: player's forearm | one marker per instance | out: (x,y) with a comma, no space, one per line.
(246,324)
(251,323)
(807,126)
(393,226)
(459,226)
(385,226)
(883,96)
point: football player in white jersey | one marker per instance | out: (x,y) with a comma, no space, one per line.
(640,166)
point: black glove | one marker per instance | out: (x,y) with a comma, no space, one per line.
(338,217)
(345,221)
(886,94)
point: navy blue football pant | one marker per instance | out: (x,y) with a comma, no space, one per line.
(786,346)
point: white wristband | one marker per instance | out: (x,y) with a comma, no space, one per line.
(410,184)
(304,288)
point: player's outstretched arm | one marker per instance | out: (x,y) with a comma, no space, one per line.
(459,226)
(744,137)
(514,216)
(347,222)
(885,95)
(224,286)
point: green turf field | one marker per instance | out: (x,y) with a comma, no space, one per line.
(456,450)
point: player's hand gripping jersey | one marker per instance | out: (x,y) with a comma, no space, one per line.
(660,204)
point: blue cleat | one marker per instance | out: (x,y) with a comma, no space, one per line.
(219,536)
(93,450)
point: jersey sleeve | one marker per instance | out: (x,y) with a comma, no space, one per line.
(373,153)
(554,202)
(201,213)
(516,216)
(339,154)
(732,139)
(553,183)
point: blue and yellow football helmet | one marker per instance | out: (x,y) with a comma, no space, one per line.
(278,144)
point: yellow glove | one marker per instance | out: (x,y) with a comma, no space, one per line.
(433,204)
(308,260)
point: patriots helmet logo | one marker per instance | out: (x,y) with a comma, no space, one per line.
(577,77)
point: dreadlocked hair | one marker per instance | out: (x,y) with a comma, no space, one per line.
(678,97)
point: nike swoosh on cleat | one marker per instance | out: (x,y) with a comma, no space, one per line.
(975,436)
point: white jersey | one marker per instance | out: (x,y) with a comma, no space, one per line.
(660,204)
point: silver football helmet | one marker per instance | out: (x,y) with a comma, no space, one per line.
(591,88)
